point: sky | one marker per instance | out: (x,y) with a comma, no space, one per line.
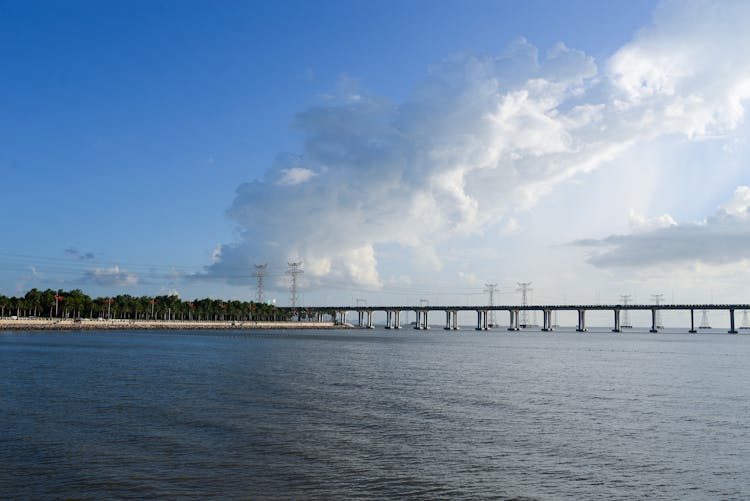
(401,151)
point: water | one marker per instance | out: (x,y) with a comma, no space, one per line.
(374,414)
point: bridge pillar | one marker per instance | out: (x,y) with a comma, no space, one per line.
(455,320)
(692,322)
(547,322)
(447,320)
(481,320)
(581,321)
(388,314)
(397,321)
(370,324)
(732,330)
(550,322)
(653,320)
(617,321)
(422,322)
(360,318)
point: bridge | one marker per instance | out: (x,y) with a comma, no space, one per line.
(393,314)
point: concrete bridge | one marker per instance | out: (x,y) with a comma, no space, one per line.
(393,314)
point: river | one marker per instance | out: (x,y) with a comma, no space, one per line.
(374,414)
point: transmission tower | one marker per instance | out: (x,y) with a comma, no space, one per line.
(657,298)
(524,289)
(294,271)
(625,300)
(491,289)
(704,320)
(260,271)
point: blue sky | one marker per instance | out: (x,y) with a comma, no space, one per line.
(149,147)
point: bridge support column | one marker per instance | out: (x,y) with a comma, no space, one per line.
(388,314)
(455,321)
(547,322)
(617,322)
(653,320)
(422,323)
(581,321)
(397,321)
(692,322)
(732,330)
(510,322)
(447,320)
(481,320)
(360,319)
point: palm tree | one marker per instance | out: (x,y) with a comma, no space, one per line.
(4,303)
(34,299)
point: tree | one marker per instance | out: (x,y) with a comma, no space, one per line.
(4,303)
(34,300)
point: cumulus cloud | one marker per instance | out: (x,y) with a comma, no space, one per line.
(295,175)
(110,276)
(640,223)
(721,239)
(480,139)
(739,205)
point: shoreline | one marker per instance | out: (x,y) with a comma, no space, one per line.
(44,324)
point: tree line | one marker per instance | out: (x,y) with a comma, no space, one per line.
(76,304)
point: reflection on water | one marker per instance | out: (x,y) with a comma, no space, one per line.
(379,414)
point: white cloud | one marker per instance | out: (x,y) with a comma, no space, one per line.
(481,140)
(738,205)
(295,175)
(721,239)
(216,254)
(639,223)
(110,276)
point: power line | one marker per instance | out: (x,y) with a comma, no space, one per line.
(294,271)
(657,298)
(524,288)
(260,271)
(491,289)
(704,320)
(625,300)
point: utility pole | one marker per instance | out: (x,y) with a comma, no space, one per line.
(625,300)
(524,288)
(657,298)
(294,271)
(260,271)
(491,289)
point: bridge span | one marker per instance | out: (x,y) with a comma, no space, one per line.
(393,314)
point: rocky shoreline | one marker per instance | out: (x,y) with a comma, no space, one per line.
(33,324)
